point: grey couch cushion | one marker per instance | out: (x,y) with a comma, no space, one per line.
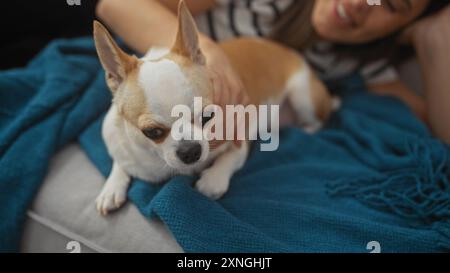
(64,210)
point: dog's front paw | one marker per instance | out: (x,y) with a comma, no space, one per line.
(212,184)
(112,197)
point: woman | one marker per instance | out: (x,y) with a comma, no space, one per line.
(351,33)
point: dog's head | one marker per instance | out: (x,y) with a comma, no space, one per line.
(145,92)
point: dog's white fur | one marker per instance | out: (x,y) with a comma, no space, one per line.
(165,83)
(298,90)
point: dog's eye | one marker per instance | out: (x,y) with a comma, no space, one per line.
(206,119)
(154,133)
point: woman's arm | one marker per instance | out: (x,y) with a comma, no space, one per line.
(145,23)
(435,64)
(431,39)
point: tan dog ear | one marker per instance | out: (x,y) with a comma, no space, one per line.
(186,43)
(116,63)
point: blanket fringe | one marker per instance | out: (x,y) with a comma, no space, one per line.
(420,191)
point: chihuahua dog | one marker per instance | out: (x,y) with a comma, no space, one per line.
(137,127)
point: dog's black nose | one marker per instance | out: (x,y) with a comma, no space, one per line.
(189,152)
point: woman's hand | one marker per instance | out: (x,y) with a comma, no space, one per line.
(228,87)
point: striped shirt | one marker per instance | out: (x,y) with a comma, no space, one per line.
(235,18)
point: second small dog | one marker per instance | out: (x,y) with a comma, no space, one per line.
(137,128)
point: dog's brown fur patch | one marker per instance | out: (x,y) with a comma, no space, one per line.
(265,68)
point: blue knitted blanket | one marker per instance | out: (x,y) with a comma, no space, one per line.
(374,173)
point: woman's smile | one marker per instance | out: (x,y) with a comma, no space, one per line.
(355,22)
(341,16)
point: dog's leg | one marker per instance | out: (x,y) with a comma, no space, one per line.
(300,90)
(215,180)
(114,192)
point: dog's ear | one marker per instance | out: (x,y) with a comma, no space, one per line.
(186,43)
(116,63)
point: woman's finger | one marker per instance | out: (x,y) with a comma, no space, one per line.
(225,94)
(218,89)
(233,89)
(242,95)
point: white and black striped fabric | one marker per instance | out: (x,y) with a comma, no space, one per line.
(235,18)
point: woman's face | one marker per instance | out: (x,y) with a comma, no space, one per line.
(355,21)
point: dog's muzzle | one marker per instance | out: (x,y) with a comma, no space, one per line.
(189,152)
